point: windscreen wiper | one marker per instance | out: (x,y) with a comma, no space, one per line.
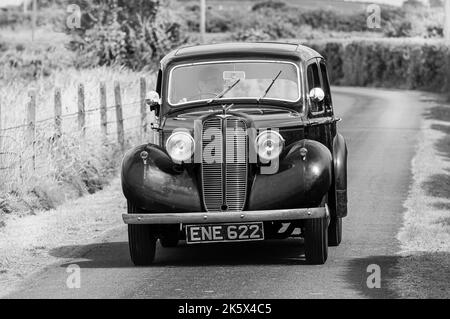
(221,94)
(270,86)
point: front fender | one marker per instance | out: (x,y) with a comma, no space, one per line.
(155,184)
(298,183)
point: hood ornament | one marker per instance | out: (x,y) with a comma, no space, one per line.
(226,108)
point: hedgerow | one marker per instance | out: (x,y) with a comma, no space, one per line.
(395,63)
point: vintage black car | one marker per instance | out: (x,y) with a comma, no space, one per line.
(246,149)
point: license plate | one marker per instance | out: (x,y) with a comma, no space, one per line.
(224,233)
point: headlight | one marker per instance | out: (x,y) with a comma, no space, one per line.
(269,145)
(180,146)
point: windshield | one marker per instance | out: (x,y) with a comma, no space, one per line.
(239,79)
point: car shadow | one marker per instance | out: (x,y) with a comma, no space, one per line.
(358,271)
(116,254)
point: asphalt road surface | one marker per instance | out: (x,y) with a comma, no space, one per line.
(381,127)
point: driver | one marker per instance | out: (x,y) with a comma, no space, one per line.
(209,83)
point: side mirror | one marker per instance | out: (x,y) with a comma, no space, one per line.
(153,100)
(317,95)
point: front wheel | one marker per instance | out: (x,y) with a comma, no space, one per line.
(316,240)
(141,241)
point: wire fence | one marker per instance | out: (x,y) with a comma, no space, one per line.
(32,145)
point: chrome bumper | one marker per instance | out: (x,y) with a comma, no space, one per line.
(227,217)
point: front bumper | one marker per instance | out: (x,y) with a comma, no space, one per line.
(227,217)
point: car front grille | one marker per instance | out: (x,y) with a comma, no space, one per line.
(224,174)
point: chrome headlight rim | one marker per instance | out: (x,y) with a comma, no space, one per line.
(280,144)
(178,134)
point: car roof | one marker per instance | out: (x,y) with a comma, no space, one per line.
(240,50)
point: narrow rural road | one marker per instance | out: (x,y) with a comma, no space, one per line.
(380,126)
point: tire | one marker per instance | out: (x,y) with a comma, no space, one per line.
(335,232)
(316,241)
(141,241)
(142,244)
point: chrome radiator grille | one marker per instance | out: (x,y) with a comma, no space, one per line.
(212,175)
(224,175)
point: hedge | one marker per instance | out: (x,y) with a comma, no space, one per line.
(394,63)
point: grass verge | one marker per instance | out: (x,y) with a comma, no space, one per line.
(424,268)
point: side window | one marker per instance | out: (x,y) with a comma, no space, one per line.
(314,82)
(325,86)
(313,76)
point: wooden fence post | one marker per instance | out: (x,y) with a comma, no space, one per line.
(81,110)
(58,113)
(31,127)
(103,112)
(119,116)
(144,124)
